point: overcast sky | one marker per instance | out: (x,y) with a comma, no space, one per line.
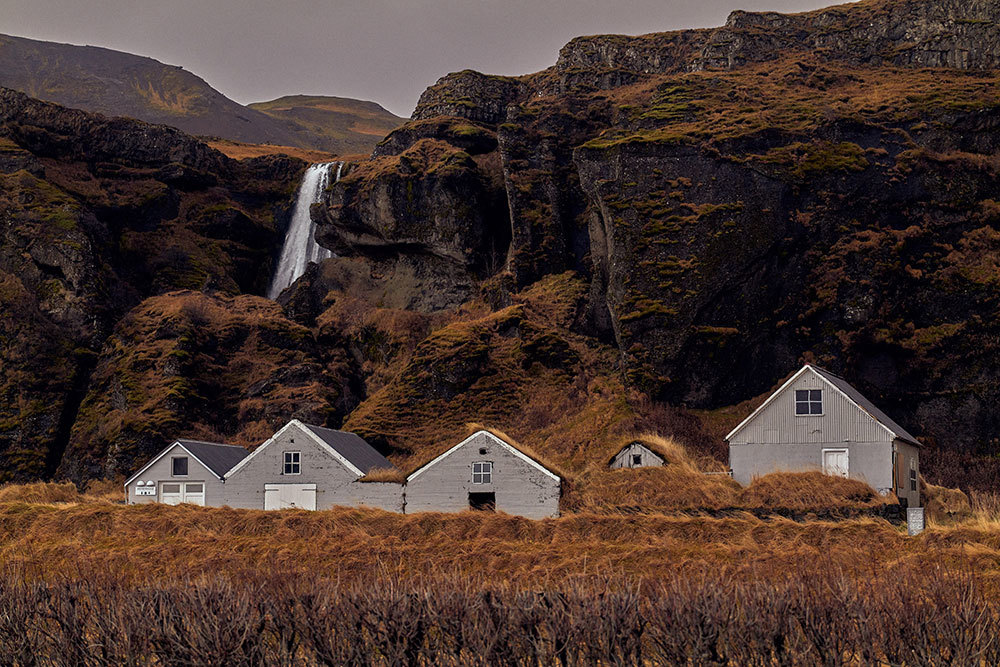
(382,50)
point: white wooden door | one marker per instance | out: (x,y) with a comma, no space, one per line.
(283,496)
(194,493)
(171,493)
(835,462)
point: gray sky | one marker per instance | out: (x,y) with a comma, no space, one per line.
(382,50)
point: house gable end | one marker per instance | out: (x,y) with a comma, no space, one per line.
(311,437)
(499,441)
(171,447)
(870,423)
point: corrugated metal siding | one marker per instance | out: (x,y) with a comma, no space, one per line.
(520,487)
(160,472)
(842,421)
(624,458)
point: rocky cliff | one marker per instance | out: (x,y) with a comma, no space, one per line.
(651,234)
(97,214)
(786,187)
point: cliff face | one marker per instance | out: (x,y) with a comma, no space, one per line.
(785,186)
(97,214)
(650,234)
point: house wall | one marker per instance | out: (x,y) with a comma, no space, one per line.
(386,496)
(334,482)
(905,453)
(870,462)
(520,487)
(624,457)
(779,440)
(160,472)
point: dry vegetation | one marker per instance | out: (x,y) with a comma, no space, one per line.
(242,151)
(802,620)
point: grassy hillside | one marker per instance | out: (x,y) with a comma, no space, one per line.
(121,84)
(337,124)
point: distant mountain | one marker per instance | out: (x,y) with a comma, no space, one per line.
(115,83)
(337,124)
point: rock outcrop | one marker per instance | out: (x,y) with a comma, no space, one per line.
(738,197)
(97,214)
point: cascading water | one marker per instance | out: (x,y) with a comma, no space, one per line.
(300,245)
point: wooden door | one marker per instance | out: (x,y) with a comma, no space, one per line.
(284,496)
(835,462)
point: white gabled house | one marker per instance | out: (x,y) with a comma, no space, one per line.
(484,472)
(818,421)
(310,467)
(187,471)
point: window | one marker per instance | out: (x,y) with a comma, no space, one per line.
(482,472)
(637,459)
(179,466)
(808,401)
(293,462)
(913,475)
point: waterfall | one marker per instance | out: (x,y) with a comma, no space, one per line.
(300,245)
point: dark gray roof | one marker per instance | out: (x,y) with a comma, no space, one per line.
(352,447)
(219,458)
(866,405)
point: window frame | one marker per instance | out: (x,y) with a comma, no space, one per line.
(484,473)
(636,460)
(913,474)
(293,465)
(173,466)
(808,402)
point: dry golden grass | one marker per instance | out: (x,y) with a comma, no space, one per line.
(111,490)
(240,151)
(810,491)
(942,505)
(158,541)
(40,492)
(393,475)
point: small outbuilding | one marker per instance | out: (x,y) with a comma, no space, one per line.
(636,454)
(187,471)
(485,472)
(310,467)
(818,421)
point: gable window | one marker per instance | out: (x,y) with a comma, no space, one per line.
(637,459)
(913,475)
(179,466)
(482,472)
(293,463)
(808,401)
